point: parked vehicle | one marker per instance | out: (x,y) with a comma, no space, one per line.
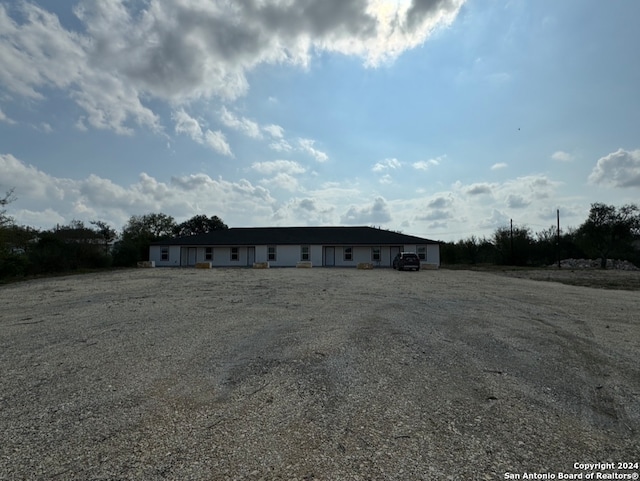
(408,260)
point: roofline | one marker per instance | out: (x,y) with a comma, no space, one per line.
(326,244)
(208,238)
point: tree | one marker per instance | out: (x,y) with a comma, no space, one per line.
(199,224)
(474,250)
(77,232)
(609,231)
(152,226)
(105,232)
(14,242)
(6,200)
(138,234)
(513,245)
(68,248)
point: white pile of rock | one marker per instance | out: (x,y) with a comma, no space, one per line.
(595,263)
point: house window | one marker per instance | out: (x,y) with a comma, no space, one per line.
(375,254)
(422,253)
(234,254)
(208,253)
(304,253)
(348,253)
(164,254)
(271,253)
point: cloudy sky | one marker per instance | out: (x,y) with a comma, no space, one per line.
(438,118)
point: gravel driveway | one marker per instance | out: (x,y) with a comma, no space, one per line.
(314,374)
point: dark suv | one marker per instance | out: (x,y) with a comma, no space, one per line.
(409,260)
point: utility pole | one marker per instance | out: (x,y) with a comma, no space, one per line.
(558,240)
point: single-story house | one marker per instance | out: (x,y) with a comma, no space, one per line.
(287,246)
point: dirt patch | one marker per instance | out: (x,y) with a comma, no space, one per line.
(591,277)
(314,374)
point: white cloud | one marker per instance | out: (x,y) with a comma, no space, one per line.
(275,131)
(479,189)
(242,124)
(47,218)
(312,211)
(30,182)
(516,201)
(438,208)
(43,200)
(386,179)
(38,53)
(617,169)
(283,199)
(286,166)
(4,118)
(281,145)
(44,127)
(439,202)
(377,212)
(217,141)
(562,156)
(426,164)
(386,164)
(185,124)
(282,180)
(496,220)
(499,165)
(523,191)
(125,55)
(307,145)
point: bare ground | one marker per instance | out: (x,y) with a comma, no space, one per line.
(616,279)
(314,374)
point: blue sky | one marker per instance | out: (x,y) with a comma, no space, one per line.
(439,118)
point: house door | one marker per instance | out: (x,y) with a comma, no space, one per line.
(329,256)
(251,255)
(192,256)
(394,250)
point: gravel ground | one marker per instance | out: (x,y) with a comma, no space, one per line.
(314,374)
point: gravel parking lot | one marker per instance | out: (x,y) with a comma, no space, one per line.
(314,374)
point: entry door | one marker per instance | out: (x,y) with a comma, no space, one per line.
(394,250)
(192,255)
(251,255)
(329,256)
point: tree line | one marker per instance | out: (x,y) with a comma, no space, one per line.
(25,251)
(608,232)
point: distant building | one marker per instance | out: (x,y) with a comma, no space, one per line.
(287,246)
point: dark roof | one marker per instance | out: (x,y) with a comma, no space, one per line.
(238,236)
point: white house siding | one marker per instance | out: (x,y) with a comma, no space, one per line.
(339,257)
(358,254)
(222,256)
(315,253)
(286,255)
(289,255)
(361,254)
(261,253)
(433,254)
(155,254)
